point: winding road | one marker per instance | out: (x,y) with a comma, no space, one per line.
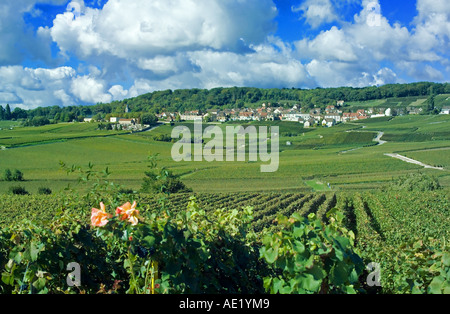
(412,161)
(379,140)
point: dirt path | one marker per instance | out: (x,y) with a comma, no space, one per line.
(377,139)
(412,161)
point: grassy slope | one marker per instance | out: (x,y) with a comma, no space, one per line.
(315,154)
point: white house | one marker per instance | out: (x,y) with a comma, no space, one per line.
(336,117)
(127,122)
(329,122)
(308,123)
(445,110)
(114,119)
(191,117)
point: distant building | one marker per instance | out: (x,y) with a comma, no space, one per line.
(127,122)
(445,110)
(330,109)
(412,110)
(114,119)
(329,122)
(191,116)
(349,116)
(308,123)
(336,117)
(245,116)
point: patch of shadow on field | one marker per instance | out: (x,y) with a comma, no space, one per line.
(350,215)
(373,221)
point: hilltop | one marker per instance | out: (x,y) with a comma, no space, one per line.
(430,97)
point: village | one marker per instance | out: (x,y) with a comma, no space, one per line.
(309,118)
(329,117)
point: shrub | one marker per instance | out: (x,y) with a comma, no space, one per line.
(311,257)
(18,190)
(161,180)
(126,191)
(44,191)
(8,175)
(17,175)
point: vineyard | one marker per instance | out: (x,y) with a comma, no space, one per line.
(405,233)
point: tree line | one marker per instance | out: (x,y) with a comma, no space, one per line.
(219,98)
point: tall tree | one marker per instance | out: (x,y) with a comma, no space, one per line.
(8,114)
(2,113)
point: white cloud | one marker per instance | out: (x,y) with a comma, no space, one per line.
(317,12)
(146,29)
(328,45)
(63,86)
(90,90)
(19,41)
(118,92)
(170,44)
(355,53)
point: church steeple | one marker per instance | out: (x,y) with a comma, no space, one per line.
(127,110)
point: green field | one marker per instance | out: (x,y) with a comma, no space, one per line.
(344,156)
(401,231)
(402,102)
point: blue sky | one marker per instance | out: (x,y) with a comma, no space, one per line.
(60,52)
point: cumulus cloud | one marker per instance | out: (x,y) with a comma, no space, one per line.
(63,86)
(354,53)
(171,44)
(90,90)
(317,12)
(271,65)
(18,40)
(147,32)
(34,87)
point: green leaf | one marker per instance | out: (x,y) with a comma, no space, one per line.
(298,231)
(278,285)
(149,241)
(416,290)
(33,251)
(349,289)
(339,274)
(436,285)
(40,284)
(8,279)
(299,247)
(446,259)
(270,255)
(267,283)
(446,287)
(309,283)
